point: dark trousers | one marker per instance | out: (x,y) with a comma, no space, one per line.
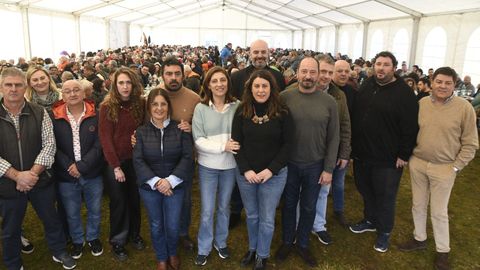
(302,184)
(124,204)
(13,211)
(61,212)
(236,204)
(186,213)
(378,186)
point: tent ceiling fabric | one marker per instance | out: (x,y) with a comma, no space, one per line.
(290,14)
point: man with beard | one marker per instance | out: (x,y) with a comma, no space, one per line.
(384,130)
(183,102)
(312,157)
(259,55)
(423,87)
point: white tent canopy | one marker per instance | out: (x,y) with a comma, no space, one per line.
(430,33)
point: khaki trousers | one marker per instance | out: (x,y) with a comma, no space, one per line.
(432,182)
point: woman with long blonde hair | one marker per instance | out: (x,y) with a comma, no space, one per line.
(121,113)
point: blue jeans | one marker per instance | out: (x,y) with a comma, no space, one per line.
(214,183)
(164,218)
(71,196)
(302,184)
(338,186)
(261,201)
(321,209)
(13,211)
(338,183)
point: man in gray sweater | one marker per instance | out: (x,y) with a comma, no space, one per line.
(312,157)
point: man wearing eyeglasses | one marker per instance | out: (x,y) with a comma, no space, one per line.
(27,149)
(78,165)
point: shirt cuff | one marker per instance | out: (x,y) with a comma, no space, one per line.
(174,181)
(4,166)
(152,182)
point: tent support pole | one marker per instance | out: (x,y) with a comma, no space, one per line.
(413,44)
(337,35)
(26,32)
(365,39)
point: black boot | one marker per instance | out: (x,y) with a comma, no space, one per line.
(260,264)
(248,258)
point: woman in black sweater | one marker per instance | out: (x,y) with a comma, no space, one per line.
(263,127)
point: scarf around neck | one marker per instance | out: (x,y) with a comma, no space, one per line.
(52,97)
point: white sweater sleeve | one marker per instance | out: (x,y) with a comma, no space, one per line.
(202,142)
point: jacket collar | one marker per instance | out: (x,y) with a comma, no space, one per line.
(59,109)
(4,110)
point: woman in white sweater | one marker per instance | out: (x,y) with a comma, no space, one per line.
(211,127)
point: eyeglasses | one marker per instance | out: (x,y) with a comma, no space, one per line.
(73,91)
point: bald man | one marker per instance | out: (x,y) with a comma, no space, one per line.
(259,56)
(341,75)
(467,81)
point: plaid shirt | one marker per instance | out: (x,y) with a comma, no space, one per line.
(75,125)
(46,157)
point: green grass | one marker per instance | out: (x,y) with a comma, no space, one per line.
(349,251)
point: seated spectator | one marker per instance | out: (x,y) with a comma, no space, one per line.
(145,76)
(423,88)
(87,88)
(192,79)
(99,91)
(290,76)
(66,76)
(55,75)
(89,72)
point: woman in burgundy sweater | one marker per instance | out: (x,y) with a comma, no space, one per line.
(121,113)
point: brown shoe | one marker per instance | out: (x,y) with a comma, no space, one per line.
(162,266)
(283,252)
(186,243)
(441,261)
(307,256)
(340,217)
(174,262)
(412,245)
